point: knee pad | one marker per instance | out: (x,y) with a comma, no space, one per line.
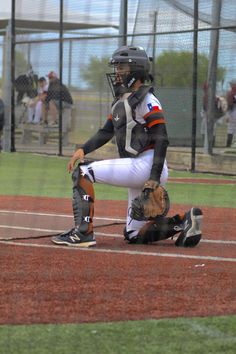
(159,229)
(83,201)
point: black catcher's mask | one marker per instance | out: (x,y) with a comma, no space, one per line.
(137,68)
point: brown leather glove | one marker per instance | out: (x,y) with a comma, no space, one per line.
(150,204)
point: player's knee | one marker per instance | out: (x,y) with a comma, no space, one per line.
(87,170)
(82,171)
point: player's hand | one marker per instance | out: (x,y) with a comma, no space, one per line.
(78,155)
(150,184)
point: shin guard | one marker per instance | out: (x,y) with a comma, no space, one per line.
(160,229)
(83,201)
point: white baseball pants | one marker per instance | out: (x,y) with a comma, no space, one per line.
(131,173)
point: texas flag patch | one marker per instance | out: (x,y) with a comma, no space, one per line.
(153,108)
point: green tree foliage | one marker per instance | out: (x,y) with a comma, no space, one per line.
(95,73)
(21,64)
(174,69)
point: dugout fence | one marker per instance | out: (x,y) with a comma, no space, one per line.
(191,42)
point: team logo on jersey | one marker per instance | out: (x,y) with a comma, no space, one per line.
(116,118)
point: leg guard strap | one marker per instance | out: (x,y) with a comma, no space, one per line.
(83,201)
(160,229)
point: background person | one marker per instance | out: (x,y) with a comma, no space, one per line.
(55,93)
(138,123)
(231,118)
(218,113)
(1,121)
(35,108)
(26,85)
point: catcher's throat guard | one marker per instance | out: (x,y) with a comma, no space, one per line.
(152,203)
(83,201)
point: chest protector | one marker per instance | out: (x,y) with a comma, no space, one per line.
(131,136)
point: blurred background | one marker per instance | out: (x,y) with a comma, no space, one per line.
(191,42)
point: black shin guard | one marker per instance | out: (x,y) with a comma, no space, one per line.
(83,202)
(159,229)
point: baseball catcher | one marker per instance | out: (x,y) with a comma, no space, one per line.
(137,122)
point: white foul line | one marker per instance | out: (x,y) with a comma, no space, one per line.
(156,254)
(48,230)
(140,253)
(55,215)
(54,231)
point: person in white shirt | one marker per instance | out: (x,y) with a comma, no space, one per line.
(35,108)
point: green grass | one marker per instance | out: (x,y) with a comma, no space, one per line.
(32,174)
(203,194)
(168,336)
(38,175)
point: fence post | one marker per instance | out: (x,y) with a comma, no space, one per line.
(123,22)
(7,89)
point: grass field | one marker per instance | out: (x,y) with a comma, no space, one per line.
(34,174)
(169,336)
(37,175)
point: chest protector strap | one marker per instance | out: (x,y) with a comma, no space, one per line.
(83,201)
(136,97)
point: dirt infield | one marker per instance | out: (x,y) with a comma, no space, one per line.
(43,283)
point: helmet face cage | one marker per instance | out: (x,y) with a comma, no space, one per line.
(139,67)
(116,88)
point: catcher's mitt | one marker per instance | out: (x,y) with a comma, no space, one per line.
(150,204)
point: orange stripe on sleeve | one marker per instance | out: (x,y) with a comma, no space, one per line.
(156,121)
(151,113)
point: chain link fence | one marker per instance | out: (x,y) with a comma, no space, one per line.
(75,41)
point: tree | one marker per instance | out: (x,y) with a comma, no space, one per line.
(174,69)
(21,64)
(95,73)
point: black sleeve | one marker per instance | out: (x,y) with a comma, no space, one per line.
(102,136)
(66,96)
(160,140)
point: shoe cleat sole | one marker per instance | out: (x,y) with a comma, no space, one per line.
(194,234)
(76,244)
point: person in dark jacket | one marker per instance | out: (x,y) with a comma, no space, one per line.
(231,121)
(56,92)
(1,120)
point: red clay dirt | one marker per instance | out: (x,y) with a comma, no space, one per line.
(43,283)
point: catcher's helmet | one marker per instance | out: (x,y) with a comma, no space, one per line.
(139,67)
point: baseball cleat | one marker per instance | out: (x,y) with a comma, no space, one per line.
(191,234)
(75,238)
(131,235)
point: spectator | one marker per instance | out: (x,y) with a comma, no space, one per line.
(231,101)
(1,120)
(218,113)
(26,85)
(35,105)
(55,93)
